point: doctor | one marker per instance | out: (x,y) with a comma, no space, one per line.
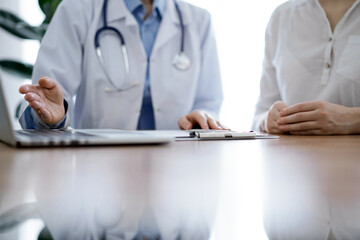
(131,64)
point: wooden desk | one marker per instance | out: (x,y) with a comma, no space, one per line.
(297,187)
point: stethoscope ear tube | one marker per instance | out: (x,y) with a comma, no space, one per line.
(181,61)
(182,27)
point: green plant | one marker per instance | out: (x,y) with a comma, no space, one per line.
(20,28)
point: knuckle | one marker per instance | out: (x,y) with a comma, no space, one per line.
(323,115)
(273,130)
(276,105)
(301,106)
(320,104)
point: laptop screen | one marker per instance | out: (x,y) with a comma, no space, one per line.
(6,128)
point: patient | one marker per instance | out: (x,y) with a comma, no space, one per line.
(311,72)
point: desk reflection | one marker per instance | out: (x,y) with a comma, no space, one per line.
(309,196)
(107,193)
(308,187)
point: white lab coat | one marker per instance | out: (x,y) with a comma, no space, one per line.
(68,55)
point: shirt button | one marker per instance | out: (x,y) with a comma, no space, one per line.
(327,65)
(330,39)
(158,109)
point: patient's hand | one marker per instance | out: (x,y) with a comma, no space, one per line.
(319,118)
(272,117)
(46,99)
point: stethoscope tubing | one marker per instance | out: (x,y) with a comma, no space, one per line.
(181,26)
(178,64)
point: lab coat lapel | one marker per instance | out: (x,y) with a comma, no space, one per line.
(170,25)
(117,10)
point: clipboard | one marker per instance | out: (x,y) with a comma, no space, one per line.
(200,134)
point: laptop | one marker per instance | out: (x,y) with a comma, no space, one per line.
(70,137)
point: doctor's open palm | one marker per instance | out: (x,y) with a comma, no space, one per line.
(46,99)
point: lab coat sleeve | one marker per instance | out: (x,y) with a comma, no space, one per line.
(61,52)
(209,94)
(269,89)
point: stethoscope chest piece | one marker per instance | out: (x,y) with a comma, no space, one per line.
(181,61)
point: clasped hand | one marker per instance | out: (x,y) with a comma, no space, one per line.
(311,118)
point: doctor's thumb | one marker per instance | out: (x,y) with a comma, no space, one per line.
(46,82)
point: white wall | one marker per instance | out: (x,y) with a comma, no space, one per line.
(240,28)
(30,11)
(10,48)
(14,48)
(8,43)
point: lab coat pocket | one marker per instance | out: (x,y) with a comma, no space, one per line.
(349,63)
(184,80)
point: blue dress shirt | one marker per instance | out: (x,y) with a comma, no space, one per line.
(148,31)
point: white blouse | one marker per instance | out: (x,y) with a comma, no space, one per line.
(306,61)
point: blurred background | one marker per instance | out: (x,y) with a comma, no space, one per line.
(239,28)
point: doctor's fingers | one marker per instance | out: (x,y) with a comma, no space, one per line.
(213,124)
(200,119)
(44,83)
(193,119)
(31,96)
(48,83)
(30,88)
(36,105)
(40,109)
(222,126)
(184,123)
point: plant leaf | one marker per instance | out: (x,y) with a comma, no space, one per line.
(49,8)
(22,70)
(18,27)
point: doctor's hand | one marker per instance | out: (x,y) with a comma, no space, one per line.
(46,99)
(272,117)
(319,118)
(202,119)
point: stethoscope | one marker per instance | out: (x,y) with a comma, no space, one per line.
(181,61)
